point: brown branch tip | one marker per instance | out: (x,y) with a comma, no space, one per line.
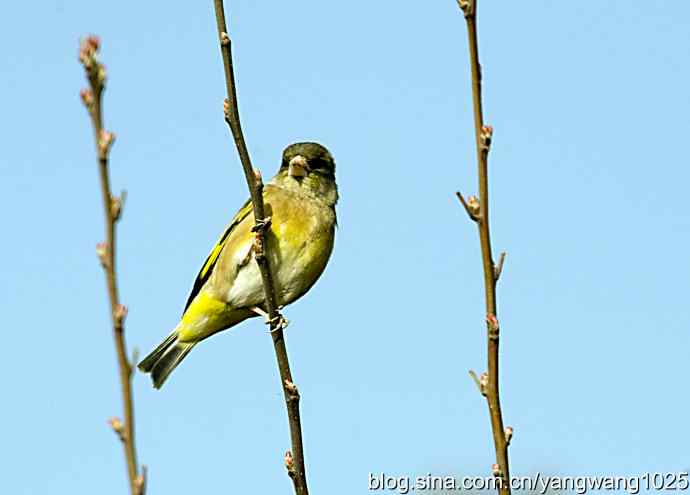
(478,210)
(91,97)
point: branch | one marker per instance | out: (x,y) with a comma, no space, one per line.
(480,213)
(112,205)
(294,459)
(498,269)
(471,206)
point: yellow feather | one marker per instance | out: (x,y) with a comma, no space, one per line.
(206,316)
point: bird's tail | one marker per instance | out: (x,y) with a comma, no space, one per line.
(165,358)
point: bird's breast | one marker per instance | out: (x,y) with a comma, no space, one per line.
(301,245)
(300,241)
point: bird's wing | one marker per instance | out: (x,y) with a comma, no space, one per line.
(210,263)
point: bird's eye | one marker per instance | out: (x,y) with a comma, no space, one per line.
(317,164)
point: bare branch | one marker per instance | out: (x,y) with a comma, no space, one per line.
(498,269)
(112,207)
(295,466)
(480,213)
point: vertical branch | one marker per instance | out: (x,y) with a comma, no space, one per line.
(478,210)
(294,459)
(112,205)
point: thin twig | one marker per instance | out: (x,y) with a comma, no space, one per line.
(483,134)
(498,269)
(92,99)
(294,459)
(471,206)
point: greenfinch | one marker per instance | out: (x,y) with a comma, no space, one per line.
(300,201)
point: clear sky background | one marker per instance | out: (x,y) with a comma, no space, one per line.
(589,179)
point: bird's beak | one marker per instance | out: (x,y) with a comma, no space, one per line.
(298,167)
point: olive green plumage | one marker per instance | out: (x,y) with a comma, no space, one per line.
(301,201)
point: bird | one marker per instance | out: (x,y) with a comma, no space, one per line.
(300,201)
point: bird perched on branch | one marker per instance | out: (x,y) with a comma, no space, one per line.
(300,201)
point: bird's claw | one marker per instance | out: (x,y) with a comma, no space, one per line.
(279,322)
(262,225)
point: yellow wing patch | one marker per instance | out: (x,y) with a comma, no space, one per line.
(210,263)
(211,260)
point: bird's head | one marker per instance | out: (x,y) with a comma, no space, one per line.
(302,159)
(310,167)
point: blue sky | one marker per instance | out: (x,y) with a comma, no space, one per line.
(589,174)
